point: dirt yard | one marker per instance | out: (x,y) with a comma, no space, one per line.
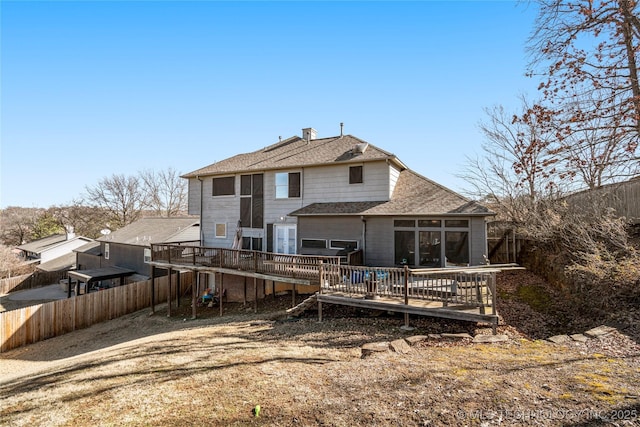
(142,370)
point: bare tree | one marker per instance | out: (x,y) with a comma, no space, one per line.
(587,49)
(17,224)
(518,162)
(122,197)
(165,192)
(594,154)
(10,263)
(86,221)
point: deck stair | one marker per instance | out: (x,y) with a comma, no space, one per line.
(303,306)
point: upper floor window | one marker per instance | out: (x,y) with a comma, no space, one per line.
(147,255)
(224,186)
(287,185)
(355,175)
(106,251)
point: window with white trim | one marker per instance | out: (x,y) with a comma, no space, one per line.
(147,255)
(314,243)
(221,230)
(106,251)
(344,244)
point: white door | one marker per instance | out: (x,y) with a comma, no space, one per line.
(285,239)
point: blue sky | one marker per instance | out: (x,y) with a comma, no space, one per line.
(89,89)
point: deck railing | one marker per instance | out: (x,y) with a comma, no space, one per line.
(465,286)
(473,287)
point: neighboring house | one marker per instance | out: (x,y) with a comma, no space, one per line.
(311,195)
(89,256)
(130,247)
(53,252)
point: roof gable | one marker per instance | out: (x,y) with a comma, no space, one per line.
(298,152)
(413,195)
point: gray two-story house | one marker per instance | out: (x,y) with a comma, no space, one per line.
(309,195)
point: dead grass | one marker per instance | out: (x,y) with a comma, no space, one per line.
(144,370)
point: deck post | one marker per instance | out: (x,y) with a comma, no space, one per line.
(153,289)
(406,321)
(492,288)
(194,295)
(169,292)
(178,289)
(273,289)
(319,312)
(255,297)
(321,274)
(221,291)
(406,285)
(244,295)
(293,295)
(477,279)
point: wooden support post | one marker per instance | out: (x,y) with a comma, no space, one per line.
(293,295)
(255,298)
(244,298)
(153,289)
(221,292)
(273,289)
(478,279)
(68,287)
(319,311)
(194,295)
(169,292)
(178,289)
(406,320)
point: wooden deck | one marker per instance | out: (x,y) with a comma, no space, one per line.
(466,294)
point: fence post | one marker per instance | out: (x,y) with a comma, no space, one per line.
(321,274)
(153,289)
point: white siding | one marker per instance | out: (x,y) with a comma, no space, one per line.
(61,249)
(331,183)
(222,209)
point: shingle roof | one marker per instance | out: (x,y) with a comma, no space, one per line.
(39,245)
(91,248)
(63,262)
(297,152)
(153,230)
(413,195)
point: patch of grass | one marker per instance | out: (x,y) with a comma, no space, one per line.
(535,296)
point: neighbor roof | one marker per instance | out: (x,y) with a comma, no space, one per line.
(63,262)
(413,195)
(155,230)
(39,245)
(91,248)
(298,152)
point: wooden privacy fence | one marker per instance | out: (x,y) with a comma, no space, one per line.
(36,279)
(39,322)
